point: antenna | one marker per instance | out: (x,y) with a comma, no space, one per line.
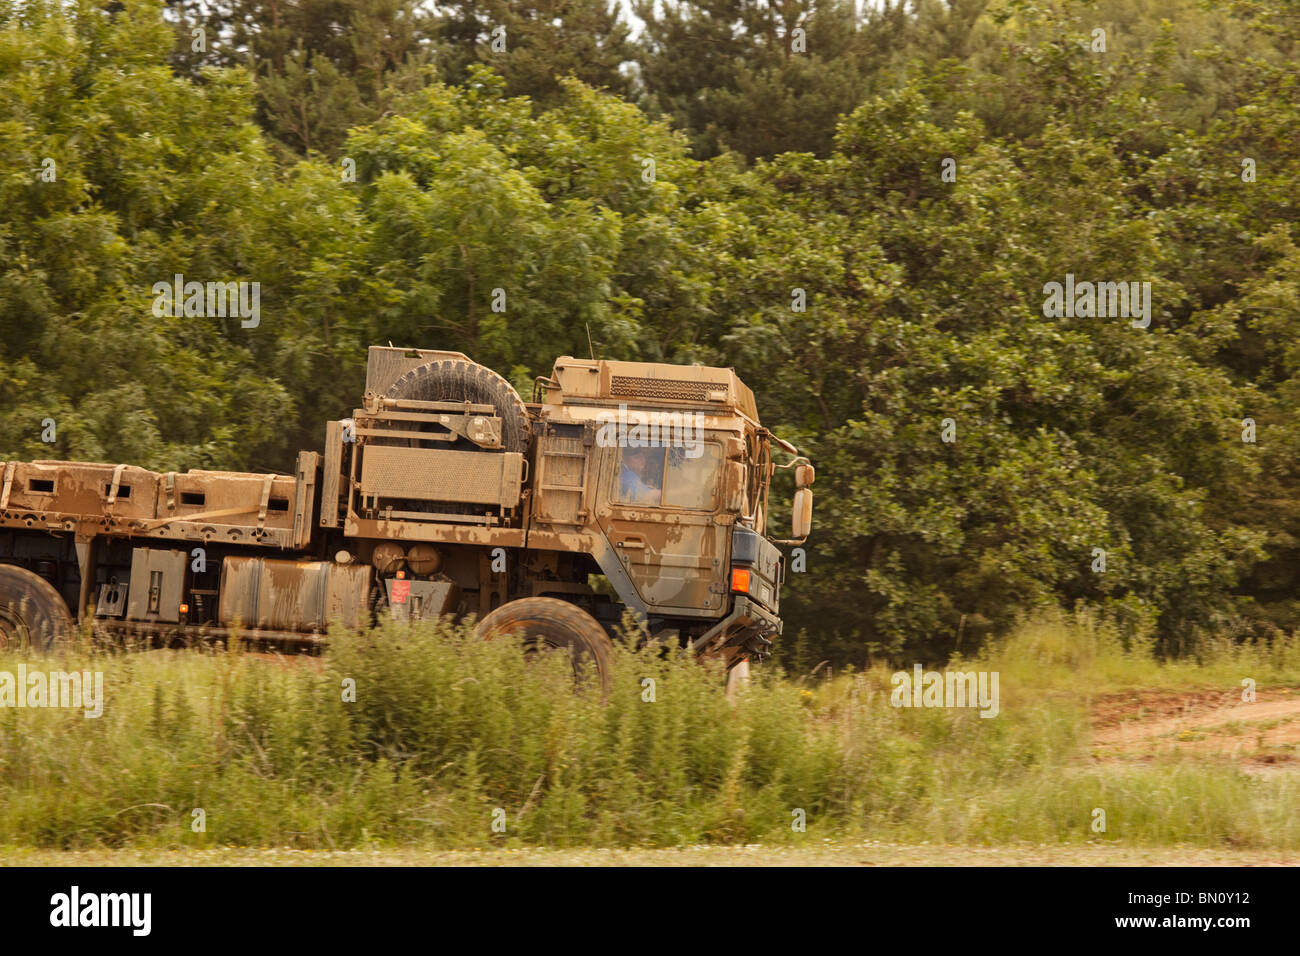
(589,348)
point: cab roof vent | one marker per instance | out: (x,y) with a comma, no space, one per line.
(672,389)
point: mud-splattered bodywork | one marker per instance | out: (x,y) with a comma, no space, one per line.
(641,487)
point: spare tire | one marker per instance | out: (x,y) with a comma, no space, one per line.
(455,380)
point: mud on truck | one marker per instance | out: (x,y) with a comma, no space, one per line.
(622,486)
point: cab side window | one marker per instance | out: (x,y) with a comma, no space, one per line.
(670,477)
(693,482)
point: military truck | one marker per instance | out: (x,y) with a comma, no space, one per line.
(621,487)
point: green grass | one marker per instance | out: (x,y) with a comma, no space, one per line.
(1084,651)
(446,730)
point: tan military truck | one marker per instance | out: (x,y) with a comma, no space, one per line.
(622,486)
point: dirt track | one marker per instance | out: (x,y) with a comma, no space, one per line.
(1262,735)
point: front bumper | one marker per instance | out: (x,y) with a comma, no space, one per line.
(747,632)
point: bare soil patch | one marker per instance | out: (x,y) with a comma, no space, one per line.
(1262,734)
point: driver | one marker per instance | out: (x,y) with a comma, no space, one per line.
(642,476)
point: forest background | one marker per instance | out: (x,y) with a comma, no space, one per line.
(858,209)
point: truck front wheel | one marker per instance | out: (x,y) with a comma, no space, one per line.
(33,614)
(545,622)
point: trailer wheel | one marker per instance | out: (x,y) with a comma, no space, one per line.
(550,622)
(33,615)
(455,380)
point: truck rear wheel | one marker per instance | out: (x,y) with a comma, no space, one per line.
(549,622)
(33,615)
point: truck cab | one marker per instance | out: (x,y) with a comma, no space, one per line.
(679,471)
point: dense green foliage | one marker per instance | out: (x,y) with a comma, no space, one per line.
(386,176)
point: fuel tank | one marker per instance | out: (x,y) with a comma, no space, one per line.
(282,595)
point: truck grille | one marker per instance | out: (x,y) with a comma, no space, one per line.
(669,388)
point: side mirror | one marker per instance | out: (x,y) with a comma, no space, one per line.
(804,476)
(801,514)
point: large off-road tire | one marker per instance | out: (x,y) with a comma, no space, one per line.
(33,615)
(549,622)
(455,380)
